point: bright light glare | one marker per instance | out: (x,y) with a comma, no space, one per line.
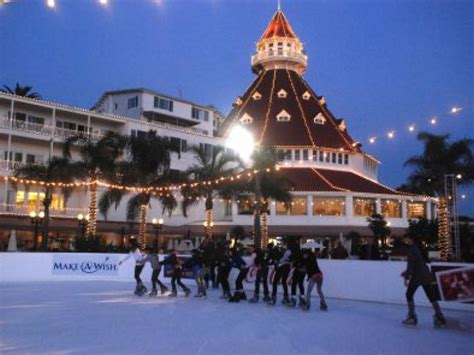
(103,2)
(411,128)
(463,196)
(459,176)
(372,140)
(51,3)
(391,134)
(455,110)
(241,142)
(433,120)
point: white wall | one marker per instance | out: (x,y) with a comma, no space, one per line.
(376,281)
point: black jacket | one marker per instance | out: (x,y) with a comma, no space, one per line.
(417,271)
(311,264)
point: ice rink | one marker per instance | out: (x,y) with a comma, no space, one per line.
(106,318)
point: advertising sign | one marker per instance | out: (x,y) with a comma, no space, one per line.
(84,265)
(456,285)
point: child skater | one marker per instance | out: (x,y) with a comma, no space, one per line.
(315,277)
(239,263)
(299,272)
(199,272)
(177,269)
(154,261)
(418,274)
(139,257)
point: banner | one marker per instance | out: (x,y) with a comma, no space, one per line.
(456,285)
(85,265)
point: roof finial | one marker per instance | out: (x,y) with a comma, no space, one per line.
(279,5)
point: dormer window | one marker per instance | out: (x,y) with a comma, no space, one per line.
(283,116)
(238,102)
(256,96)
(320,119)
(282,94)
(246,119)
(322,100)
(306,96)
(342,125)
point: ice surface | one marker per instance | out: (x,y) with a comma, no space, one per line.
(105,317)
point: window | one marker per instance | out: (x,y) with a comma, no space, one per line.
(364,207)
(329,206)
(321,156)
(132,102)
(297,207)
(36,120)
(245,205)
(315,155)
(305,154)
(346,159)
(228,208)
(416,210)
(288,154)
(19,116)
(306,96)
(30,159)
(339,158)
(256,96)
(320,119)
(334,158)
(391,208)
(246,119)
(162,103)
(327,157)
(115,106)
(206,148)
(199,114)
(282,94)
(184,145)
(297,154)
(283,116)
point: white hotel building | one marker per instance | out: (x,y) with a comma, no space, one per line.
(336,184)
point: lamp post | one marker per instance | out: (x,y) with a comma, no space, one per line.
(83,221)
(157,226)
(36,220)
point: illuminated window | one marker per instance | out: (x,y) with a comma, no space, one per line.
(57,202)
(256,96)
(391,208)
(246,119)
(329,206)
(319,119)
(282,94)
(364,207)
(306,96)
(416,210)
(297,207)
(20,198)
(245,205)
(283,116)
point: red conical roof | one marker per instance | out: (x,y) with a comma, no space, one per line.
(278,27)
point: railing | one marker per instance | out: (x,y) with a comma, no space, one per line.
(44,130)
(15,210)
(279,54)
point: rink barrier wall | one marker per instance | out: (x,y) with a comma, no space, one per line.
(360,280)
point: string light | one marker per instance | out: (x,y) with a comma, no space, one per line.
(51,3)
(434,120)
(455,110)
(391,134)
(372,140)
(411,128)
(463,197)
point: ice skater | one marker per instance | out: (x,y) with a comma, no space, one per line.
(177,269)
(199,272)
(262,262)
(282,270)
(139,257)
(299,271)
(418,274)
(153,259)
(315,277)
(224,266)
(239,263)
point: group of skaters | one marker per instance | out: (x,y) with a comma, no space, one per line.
(286,266)
(289,265)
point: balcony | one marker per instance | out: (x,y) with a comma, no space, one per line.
(24,211)
(280,55)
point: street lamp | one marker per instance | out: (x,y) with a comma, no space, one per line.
(36,220)
(83,221)
(157,226)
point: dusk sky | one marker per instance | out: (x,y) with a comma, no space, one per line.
(381,65)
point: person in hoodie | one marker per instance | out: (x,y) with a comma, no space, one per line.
(176,269)
(418,274)
(299,271)
(315,277)
(139,257)
(239,263)
(153,259)
(282,262)
(196,264)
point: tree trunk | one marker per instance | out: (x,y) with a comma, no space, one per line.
(444,230)
(92,225)
(45,228)
(208,226)
(257,211)
(142,228)
(264,219)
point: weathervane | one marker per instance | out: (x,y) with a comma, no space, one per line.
(279,5)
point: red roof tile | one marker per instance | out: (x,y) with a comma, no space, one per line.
(278,27)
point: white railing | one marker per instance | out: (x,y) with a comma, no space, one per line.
(15,210)
(280,54)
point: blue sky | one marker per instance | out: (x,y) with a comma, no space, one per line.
(381,64)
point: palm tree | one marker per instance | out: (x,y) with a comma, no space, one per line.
(439,159)
(21,91)
(98,161)
(211,166)
(56,170)
(148,165)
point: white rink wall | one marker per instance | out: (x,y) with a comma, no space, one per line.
(375,281)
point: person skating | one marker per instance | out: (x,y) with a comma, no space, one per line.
(176,269)
(315,277)
(239,263)
(199,272)
(299,271)
(224,261)
(137,254)
(281,258)
(154,261)
(418,274)
(261,262)
(209,262)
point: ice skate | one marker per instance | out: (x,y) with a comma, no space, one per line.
(173,294)
(187,292)
(235,298)
(200,295)
(411,320)
(285,300)
(302,302)
(254,299)
(153,293)
(439,321)
(323,306)
(266,298)
(292,302)
(225,296)
(272,301)
(242,296)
